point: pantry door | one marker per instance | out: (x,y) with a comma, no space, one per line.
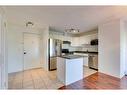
(31,51)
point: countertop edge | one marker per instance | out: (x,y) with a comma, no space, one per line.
(75,57)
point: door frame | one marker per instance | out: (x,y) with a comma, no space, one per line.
(23,48)
(3,47)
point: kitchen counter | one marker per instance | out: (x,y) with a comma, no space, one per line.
(71,56)
(88,52)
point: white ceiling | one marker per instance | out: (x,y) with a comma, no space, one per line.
(60,18)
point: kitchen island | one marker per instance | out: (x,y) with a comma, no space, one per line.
(69,68)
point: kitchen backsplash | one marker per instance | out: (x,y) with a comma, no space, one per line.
(90,48)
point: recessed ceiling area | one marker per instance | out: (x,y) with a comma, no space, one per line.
(60,18)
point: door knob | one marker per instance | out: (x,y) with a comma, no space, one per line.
(24,52)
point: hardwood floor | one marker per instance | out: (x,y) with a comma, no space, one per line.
(34,79)
(99,81)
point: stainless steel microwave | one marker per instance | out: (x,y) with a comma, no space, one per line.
(94,42)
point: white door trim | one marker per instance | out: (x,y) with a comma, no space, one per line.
(3,55)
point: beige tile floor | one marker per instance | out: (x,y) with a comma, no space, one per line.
(88,71)
(38,79)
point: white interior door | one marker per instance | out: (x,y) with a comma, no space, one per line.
(31,51)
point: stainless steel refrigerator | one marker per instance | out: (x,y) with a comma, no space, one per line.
(55,49)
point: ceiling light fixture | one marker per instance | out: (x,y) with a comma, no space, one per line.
(29,24)
(72,30)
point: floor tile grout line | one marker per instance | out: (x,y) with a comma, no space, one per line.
(32,79)
(42,80)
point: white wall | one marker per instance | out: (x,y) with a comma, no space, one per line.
(44,47)
(123,47)
(123,50)
(0,55)
(109,48)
